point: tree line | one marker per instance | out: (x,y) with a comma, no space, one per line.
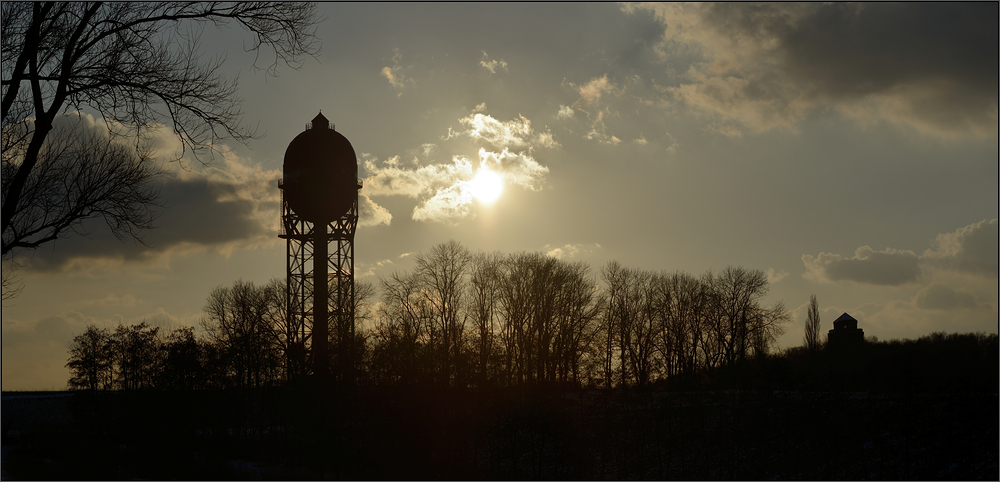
(460,319)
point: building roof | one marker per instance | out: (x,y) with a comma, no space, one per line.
(845,317)
(320,122)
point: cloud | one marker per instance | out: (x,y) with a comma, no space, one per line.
(364,269)
(371,214)
(514,134)
(390,178)
(971,249)
(889,267)
(492,65)
(934,308)
(127,300)
(938,296)
(545,139)
(929,66)
(443,189)
(394,74)
(599,133)
(571,251)
(591,92)
(775,277)
(227,204)
(516,167)
(590,100)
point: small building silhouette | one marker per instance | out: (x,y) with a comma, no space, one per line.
(845,332)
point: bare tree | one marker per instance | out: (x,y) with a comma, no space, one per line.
(90,362)
(812,325)
(441,273)
(484,295)
(135,65)
(576,321)
(684,303)
(240,321)
(738,292)
(135,351)
(401,333)
(12,285)
(766,326)
(182,361)
(80,174)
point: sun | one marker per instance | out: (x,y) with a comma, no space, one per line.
(487,186)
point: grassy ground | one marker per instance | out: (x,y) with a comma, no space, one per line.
(509,434)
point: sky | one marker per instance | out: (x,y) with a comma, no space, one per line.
(847,151)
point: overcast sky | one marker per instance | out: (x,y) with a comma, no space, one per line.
(848,151)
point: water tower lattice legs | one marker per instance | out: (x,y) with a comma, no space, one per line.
(307,247)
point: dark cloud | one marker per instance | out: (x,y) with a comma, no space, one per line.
(971,249)
(200,210)
(941,297)
(857,49)
(194,213)
(889,267)
(944,56)
(933,66)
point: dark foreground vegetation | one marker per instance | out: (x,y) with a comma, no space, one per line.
(923,409)
(521,366)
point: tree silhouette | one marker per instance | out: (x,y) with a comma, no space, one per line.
(134,65)
(90,361)
(442,273)
(240,321)
(812,326)
(135,351)
(80,174)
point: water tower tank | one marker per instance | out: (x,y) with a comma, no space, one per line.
(320,173)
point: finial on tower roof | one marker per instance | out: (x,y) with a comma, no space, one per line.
(320,121)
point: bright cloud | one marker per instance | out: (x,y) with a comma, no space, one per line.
(972,249)
(591,92)
(394,74)
(571,251)
(775,276)
(514,134)
(590,103)
(364,270)
(492,65)
(370,213)
(445,190)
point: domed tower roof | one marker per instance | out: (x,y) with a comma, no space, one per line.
(320,173)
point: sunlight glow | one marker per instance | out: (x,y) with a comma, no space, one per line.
(487,186)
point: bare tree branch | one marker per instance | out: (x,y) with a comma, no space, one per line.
(132,64)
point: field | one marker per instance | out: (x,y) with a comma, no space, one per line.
(411,433)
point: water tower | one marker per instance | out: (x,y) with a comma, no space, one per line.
(319,216)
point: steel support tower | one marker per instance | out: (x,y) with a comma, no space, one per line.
(319,265)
